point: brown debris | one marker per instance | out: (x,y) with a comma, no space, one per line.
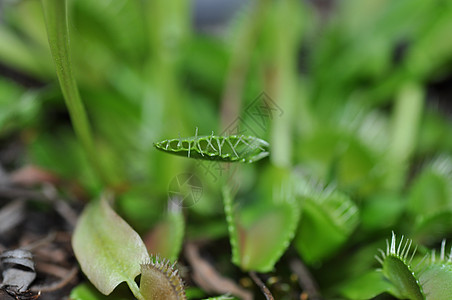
(31,175)
(262,286)
(205,275)
(45,233)
(306,280)
(11,215)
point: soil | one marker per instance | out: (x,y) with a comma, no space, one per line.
(34,217)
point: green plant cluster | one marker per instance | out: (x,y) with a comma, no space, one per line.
(357,147)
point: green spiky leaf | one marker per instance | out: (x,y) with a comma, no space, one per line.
(160,280)
(436,281)
(436,277)
(430,201)
(397,269)
(328,219)
(233,148)
(431,191)
(261,231)
(429,280)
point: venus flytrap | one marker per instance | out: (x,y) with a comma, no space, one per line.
(404,274)
(435,275)
(111,252)
(160,280)
(428,279)
(433,183)
(334,151)
(342,142)
(232,148)
(108,249)
(329,217)
(396,263)
(261,231)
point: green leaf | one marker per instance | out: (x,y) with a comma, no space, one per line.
(366,286)
(432,228)
(87,291)
(220,298)
(406,119)
(61,153)
(382,210)
(56,18)
(17,107)
(108,249)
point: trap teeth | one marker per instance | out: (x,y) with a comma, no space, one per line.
(232,148)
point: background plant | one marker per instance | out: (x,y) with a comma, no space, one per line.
(359,133)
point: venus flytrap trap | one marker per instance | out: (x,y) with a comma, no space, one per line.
(428,279)
(435,275)
(261,231)
(397,268)
(329,217)
(346,149)
(232,148)
(160,280)
(404,274)
(433,183)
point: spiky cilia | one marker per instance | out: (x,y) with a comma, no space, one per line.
(397,269)
(160,280)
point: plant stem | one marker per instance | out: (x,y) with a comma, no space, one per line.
(405,126)
(282,78)
(55,14)
(135,289)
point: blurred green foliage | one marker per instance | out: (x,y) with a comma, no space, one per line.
(352,118)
